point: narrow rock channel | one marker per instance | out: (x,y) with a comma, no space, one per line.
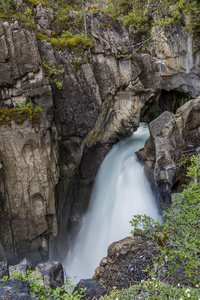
(121,190)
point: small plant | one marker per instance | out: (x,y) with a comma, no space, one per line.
(27,18)
(6,6)
(66,34)
(20,114)
(79,43)
(52,72)
(27,109)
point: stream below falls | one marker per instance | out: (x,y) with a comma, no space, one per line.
(121,190)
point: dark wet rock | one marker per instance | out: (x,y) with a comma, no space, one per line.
(3,269)
(93,289)
(15,289)
(52,274)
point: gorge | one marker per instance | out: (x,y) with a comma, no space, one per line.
(93,94)
(120,190)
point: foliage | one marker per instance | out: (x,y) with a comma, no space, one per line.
(143,14)
(63,13)
(8,10)
(19,114)
(154,289)
(77,43)
(38,290)
(6,6)
(27,18)
(66,34)
(52,72)
(178,239)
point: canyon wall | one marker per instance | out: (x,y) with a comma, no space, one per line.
(47,171)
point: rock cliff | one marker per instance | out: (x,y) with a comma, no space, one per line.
(174,138)
(47,172)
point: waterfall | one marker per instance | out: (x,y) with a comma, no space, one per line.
(120,190)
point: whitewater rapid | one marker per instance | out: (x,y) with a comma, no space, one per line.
(121,190)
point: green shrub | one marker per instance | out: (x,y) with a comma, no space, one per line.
(66,291)
(154,290)
(27,18)
(52,72)
(138,13)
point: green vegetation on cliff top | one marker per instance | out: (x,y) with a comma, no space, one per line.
(70,16)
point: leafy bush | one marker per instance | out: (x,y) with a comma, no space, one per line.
(27,18)
(178,238)
(138,13)
(6,6)
(67,291)
(154,289)
(52,72)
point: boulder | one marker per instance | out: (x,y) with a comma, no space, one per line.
(15,289)
(93,289)
(22,267)
(52,274)
(125,262)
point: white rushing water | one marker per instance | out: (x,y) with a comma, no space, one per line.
(120,191)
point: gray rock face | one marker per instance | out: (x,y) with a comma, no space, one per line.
(27,179)
(178,56)
(172,137)
(17,60)
(21,74)
(22,267)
